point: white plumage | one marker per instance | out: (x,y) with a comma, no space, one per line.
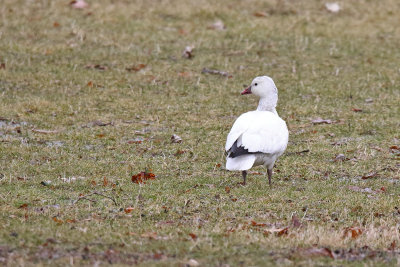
(257,137)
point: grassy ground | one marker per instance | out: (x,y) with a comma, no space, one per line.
(66,195)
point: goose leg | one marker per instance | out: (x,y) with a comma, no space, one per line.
(269,176)
(244,174)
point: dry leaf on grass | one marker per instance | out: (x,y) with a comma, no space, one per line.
(369,175)
(188,52)
(352,232)
(193,236)
(260,14)
(23,206)
(128,210)
(254,223)
(58,221)
(141,177)
(179,153)
(277,231)
(321,121)
(136,68)
(357,109)
(393,245)
(105,181)
(2,66)
(96,66)
(176,139)
(137,140)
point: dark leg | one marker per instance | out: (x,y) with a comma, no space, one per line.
(269,176)
(244,174)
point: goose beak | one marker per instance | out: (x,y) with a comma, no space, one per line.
(246,91)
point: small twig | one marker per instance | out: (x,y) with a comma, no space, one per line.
(298,152)
(82,197)
(100,194)
(217,72)
(93,193)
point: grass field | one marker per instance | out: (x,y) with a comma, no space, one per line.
(90,97)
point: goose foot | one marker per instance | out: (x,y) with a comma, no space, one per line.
(244,174)
(269,176)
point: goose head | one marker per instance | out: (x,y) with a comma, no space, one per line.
(263,87)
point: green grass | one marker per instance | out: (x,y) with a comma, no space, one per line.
(324,65)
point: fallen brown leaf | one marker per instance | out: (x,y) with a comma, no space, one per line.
(277,231)
(179,152)
(254,223)
(105,181)
(357,110)
(260,14)
(56,24)
(141,177)
(193,236)
(369,175)
(2,66)
(352,232)
(136,67)
(58,221)
(227,189)
(96,66)
(128,210)
(23,206)
(137,140)
(393,245)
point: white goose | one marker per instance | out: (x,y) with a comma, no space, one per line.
(257,137)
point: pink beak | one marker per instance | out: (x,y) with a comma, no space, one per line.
(246,91)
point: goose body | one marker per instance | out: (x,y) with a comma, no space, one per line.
(257,137)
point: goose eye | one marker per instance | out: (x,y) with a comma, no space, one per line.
(255,84)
